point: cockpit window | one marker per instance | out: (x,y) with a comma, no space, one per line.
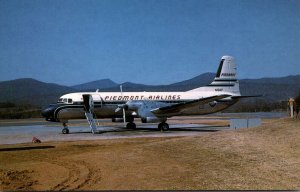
(65,100)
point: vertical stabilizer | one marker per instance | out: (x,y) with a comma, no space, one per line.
(225,79)
(226,76)
(226,71)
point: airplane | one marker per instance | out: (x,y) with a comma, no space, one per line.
(151,107)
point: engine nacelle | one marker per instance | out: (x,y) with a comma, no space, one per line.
(212,104)
(129,106)
(128,119)
(151,120)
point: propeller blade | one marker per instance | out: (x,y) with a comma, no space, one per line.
(124,117)
(117,109)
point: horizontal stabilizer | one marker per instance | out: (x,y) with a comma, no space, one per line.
(245,96)
(177,107)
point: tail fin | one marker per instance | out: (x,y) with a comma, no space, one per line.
(225,79)
(227,69)
(226,73)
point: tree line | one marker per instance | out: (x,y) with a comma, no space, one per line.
(9,110)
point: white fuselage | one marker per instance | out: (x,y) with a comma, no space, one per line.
(106,103)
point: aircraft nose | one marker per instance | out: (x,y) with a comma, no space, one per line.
(48,113)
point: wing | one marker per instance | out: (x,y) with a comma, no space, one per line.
(177,107)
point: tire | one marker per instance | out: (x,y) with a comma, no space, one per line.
(163,127)
(65,131)
(131,126)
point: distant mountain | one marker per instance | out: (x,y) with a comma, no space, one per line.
(291,79)
(200,80)
(40,94)
(31,91)
(131,87)
(99,84)
(273,89)
(109,85)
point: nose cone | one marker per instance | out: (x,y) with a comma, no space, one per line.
(48,113)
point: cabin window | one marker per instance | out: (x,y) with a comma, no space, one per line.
(65,100)
(60,100)
(70,101)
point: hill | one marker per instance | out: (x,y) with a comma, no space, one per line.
(99,84)
(273,89)
(31,91)
(200,80)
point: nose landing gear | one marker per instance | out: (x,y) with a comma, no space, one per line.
(65,130)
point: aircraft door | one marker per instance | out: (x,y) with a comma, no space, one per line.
(97,99)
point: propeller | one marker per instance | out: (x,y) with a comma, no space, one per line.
(123,108)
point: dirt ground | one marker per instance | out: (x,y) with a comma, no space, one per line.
(266,157)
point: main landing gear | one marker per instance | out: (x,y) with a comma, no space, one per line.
(65,130)
(163,126)
(131,125)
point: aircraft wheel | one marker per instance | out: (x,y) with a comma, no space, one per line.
(131,126)
(163,126)
(65,131)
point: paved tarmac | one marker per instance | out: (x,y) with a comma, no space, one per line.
(45,131)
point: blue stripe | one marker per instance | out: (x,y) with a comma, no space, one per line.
(225,80)
(220,85)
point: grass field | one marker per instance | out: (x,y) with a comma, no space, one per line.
(266,157)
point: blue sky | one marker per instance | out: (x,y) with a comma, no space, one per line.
(152,42)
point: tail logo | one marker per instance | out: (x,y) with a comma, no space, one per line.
(228,74)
